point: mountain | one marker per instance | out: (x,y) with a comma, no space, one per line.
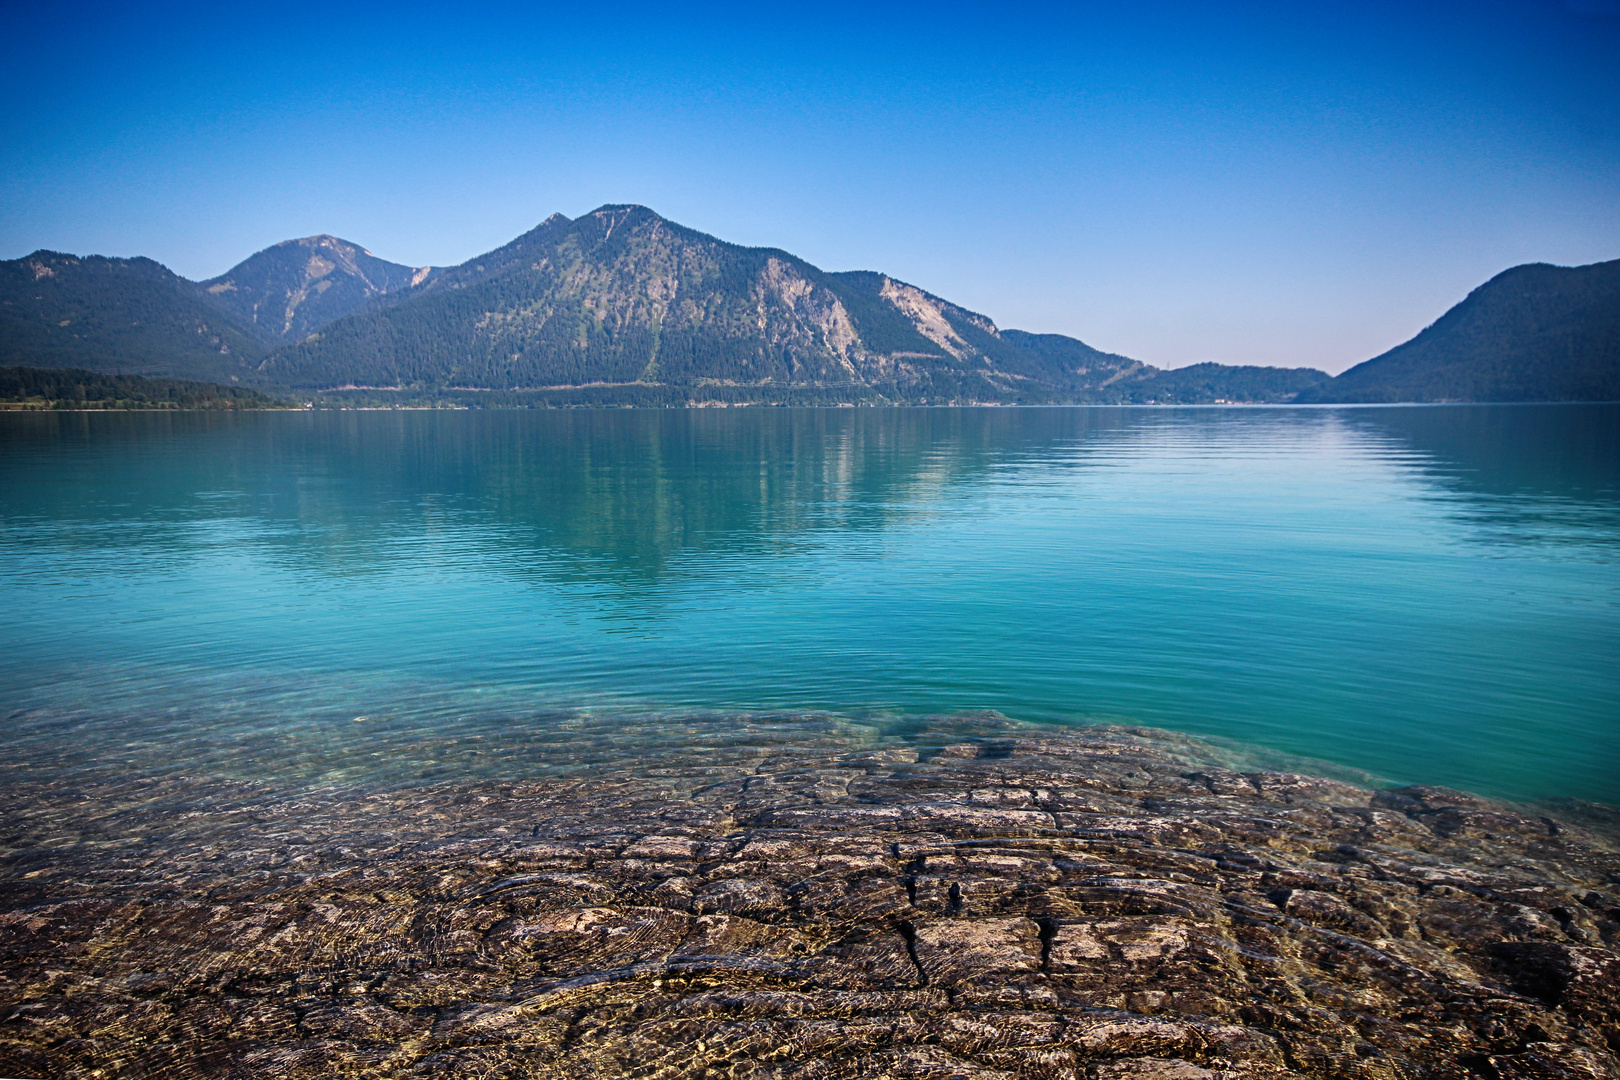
(117,315)
(1204,383)
(1075,357)
(288,291)
(621,304)
(72,388)
(1107,377)
(1532,333)
(622,297)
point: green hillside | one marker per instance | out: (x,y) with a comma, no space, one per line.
(1203,383)
(117,315)
(1105,378)
(1532,333)
(1073,360)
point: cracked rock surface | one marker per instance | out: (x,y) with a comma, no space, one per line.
(977,900)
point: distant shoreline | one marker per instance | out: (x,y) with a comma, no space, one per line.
(7,407)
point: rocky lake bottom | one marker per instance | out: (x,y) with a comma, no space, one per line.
(971,898)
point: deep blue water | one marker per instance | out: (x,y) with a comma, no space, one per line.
(1426,594)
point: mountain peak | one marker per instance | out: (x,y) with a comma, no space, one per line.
(612,215)
(319,240)
(623,208)
(290,289)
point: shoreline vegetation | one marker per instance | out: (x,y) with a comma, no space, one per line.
(30,389)
(24,389)
(978,898)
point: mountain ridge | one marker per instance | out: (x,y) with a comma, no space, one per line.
(623,306)
(624,297)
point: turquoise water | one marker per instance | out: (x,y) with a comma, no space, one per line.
(1426,594)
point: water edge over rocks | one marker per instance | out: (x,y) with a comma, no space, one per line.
(976,898)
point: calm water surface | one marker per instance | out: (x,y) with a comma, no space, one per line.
(1426,594)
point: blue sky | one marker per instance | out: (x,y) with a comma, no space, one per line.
(1249,183)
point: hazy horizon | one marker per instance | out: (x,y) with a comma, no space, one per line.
(1267,184)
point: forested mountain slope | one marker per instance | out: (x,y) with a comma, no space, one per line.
(1220,383)
(117,315)
(1532,333)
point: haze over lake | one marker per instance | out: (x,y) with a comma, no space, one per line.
(1428,595)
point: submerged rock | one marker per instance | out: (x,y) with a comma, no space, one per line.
(1100,903)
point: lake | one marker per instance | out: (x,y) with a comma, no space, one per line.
(1411,595)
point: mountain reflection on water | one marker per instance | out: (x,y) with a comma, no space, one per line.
(1429,594)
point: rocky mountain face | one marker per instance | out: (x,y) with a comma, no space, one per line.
(622,300)
(623,297)
(619,306)
(289,291)
(1532,333)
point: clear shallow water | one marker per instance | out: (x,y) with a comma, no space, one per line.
(1427,594)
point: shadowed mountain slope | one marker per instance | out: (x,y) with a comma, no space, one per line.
(1532,333)
(1075,357)
(288,291)
(117,315)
